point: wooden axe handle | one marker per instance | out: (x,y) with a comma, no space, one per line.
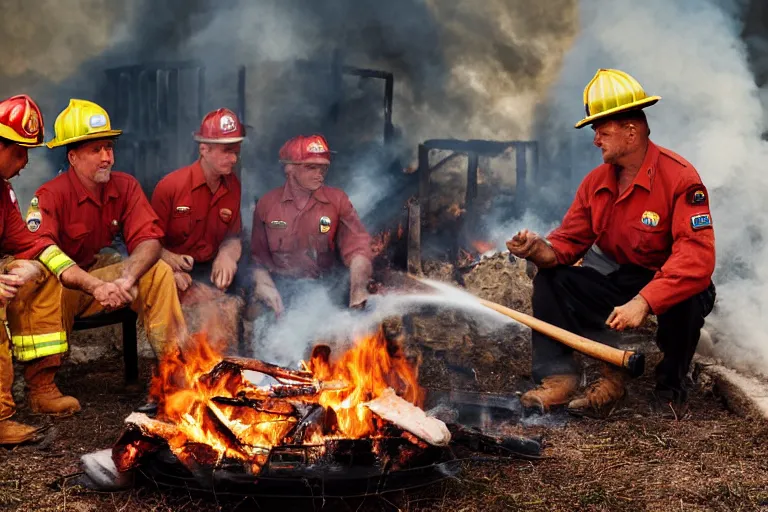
(632,361)
(628,359)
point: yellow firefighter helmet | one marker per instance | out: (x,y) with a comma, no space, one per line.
(81,120)
(611,92)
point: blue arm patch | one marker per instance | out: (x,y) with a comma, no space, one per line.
(701,221)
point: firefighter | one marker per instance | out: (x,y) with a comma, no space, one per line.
(83,210)
(641,221)
(21,127)
(299,228)
(199,210)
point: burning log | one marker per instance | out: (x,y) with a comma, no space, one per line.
(272,370)
(152,427)
(296,391)
(310,426)
(139,439)
(410,418)
(268,406)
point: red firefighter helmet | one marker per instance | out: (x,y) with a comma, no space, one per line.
(306,149)
(21,121)
(220,127)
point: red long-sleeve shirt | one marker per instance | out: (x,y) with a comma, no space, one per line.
(15,238)
(661,222)
(195,220)
(303,243)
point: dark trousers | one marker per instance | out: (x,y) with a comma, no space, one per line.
(580,299)
(201,272)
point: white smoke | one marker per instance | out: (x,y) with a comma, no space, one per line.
(315,318)
(689,52)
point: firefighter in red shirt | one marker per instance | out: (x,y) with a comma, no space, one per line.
(642,223)
(83,210)
(21,127)
(299,228)
(199,210)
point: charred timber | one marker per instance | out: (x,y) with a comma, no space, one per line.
(268,406)
(271,369)
(476,441)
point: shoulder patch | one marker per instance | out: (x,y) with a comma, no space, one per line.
(701,221)
(34,219)
(697,196)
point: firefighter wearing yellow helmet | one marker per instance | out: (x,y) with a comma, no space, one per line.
(84,209)
(81,121)
(641,223)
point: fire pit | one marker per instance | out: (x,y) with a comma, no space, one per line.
(337,427)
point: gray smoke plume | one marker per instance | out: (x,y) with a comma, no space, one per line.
(689,52)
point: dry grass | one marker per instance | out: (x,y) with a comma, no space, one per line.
(635,459)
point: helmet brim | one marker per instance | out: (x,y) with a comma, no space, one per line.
(10,135)
(312,160)
(228,140)
(107,134)
(635,105)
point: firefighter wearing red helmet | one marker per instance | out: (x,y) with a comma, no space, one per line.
(21,127)
(199,210)
(302,229)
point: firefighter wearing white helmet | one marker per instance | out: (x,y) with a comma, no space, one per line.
(83,210)
(641,223)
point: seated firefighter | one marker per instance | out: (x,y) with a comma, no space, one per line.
(199,210)
(642,222)
(299,227)
(83,210)
(21,127)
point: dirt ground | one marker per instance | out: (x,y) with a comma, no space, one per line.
(638,458)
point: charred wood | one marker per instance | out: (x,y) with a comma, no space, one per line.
(269,406)
(509,446)
(271,369)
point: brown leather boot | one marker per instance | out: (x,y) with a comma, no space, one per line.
(13,432)
(600,396)
(44,397)
(553,390)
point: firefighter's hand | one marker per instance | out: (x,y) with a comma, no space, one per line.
(358,296)
(111,296)
(9,287)
(128,285)
(271,297)
(630,315)
(178,262)
(26,270)
(223,272)
(183,281)
(530,246)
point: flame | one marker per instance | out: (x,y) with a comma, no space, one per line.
(380,242)
(482,246)
(456,210)
(209,403)
(369,367)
